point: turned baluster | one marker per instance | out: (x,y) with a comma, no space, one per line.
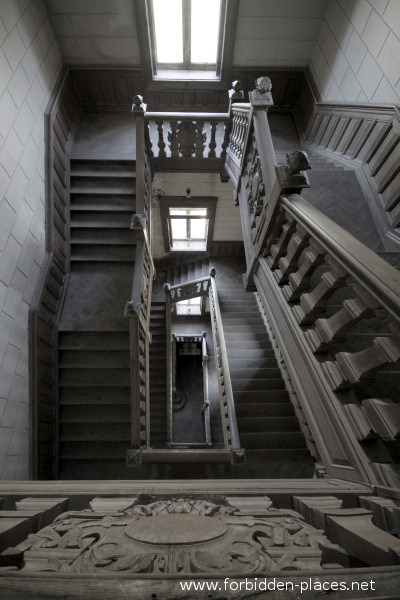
(161,143)
(289,263)
(360,365)
(173,139)
(334,329)
(213,143)
(300,280)
(313,303)
(199,143)
(279,248)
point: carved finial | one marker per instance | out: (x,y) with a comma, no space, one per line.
(167,288)
(261,97)
(236,94)
(213,272)
(138,105)
(297,161)
(138,221)
(263,85)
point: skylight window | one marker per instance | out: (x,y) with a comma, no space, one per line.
(187,38)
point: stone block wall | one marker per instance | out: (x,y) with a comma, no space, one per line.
(30,62)
(356,56)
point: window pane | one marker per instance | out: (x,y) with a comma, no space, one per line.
(198,212)
(178,229)
(168,30)
(204,31)
(178,211)
(198,229)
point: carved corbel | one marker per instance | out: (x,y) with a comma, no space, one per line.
(385,417)
(238,456)
(293,176)
(138,224)
(132,309)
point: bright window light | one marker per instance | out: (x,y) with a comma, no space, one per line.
(204,31)
(168,30)
(192,306)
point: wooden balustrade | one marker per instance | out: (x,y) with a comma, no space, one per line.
(187,140)
(333,305)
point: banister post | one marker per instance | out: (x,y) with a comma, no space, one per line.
(138,109)
(261,100)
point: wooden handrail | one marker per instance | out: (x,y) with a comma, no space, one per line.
(377,276)
(195,116)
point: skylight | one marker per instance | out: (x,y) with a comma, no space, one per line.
(186,35)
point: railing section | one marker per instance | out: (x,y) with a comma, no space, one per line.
(334,308)
(206,287)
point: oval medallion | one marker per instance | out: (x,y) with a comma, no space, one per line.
(176,529)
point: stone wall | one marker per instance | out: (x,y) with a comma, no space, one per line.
(354,59)
(30,63)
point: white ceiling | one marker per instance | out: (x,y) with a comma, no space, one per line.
(275,33)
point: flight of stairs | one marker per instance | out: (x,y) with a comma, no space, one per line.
(158,376)
(94,376)
(267,424)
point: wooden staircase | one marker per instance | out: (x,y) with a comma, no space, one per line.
(94,377)
(268,426)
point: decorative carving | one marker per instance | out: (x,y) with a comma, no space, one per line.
(187,138)
(236,94)
(297,161)
(263,85)
(175,536)
(255,183)
(137,104)
(292,176)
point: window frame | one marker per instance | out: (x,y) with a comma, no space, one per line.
(194,202)
(221,80)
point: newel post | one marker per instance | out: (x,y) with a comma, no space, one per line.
(138,109)
(261,100)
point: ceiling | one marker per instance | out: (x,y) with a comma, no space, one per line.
(272,33)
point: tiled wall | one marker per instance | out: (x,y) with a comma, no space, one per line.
(30,62)
(277,33)
(357,55)
(227,226)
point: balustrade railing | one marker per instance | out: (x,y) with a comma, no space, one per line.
(206,286)
(333,305)
(187,139)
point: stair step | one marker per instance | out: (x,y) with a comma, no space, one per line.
(103,185)
(278,439)
(252,354)
(81,340)
(95,377)
(95,432)
(102,203)
(249,363)
(103,167)
(82,252)
(104,237)
(95,413)
(266,396)
(245,335)
(95,396)
(268,424)
(101,220)
(262,409)
(96,450)
(256,374)
(81,359)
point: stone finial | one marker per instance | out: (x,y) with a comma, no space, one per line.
(297,161)
(236,94)
(263,85)
(137,104)
(138,222)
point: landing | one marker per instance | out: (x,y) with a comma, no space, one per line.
(105,136)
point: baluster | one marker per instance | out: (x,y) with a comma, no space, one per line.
(199,139)
(213,143)
(300,280)
(334,329)
(279,249)
(360,365)
(233,133)
(161,143)
(313,303)
(173,139)
(148,140)
(289,263)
